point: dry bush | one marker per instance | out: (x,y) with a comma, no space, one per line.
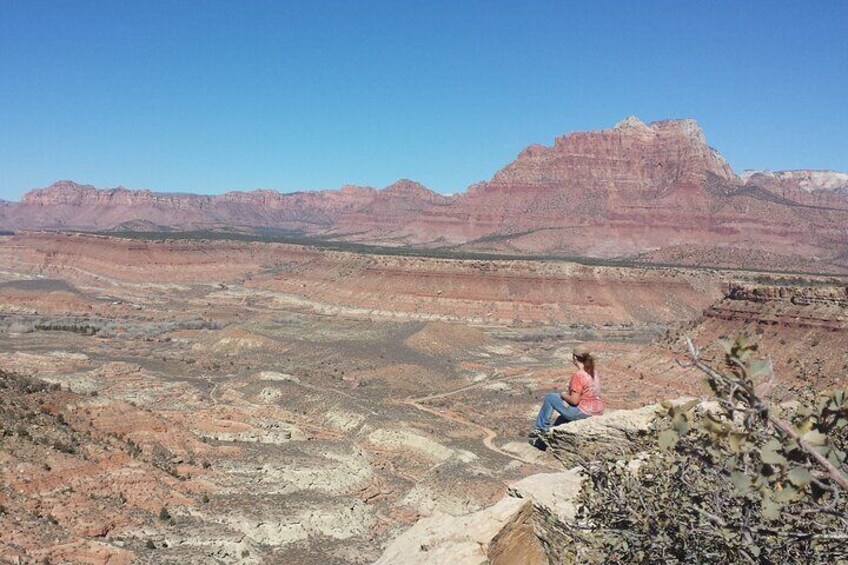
(740,483)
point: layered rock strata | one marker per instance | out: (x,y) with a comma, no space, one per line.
(632,189)
(802,329)
(361,285)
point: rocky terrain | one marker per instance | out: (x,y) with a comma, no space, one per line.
(654,191)
(80,482)
(377,286)
(532,523)
(804,329)
(196,401)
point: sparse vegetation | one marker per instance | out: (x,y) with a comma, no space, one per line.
(65,447)
(448,252)
(233,393)
(133,448)
(797,280)
(744,483)
(103,327)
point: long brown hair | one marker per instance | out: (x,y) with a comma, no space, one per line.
(588,363)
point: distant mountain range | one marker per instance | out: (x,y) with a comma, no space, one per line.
(635,189)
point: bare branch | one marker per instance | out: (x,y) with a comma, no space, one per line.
(761,406)
(834,473)
(711,517)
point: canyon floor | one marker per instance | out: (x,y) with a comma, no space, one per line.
(218,401)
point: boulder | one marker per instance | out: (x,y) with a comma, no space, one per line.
(612,432)
(523,527)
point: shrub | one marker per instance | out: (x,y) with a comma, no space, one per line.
(739,484)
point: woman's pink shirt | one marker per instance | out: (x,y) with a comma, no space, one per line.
(590,395)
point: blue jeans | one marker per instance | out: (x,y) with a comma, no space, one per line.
(553,401)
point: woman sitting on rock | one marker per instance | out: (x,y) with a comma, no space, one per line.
(581,400)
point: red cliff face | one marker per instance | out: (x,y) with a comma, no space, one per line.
(67,205)
(611,192)
(632,189)
(631,161)
(69,193)
(637,188)
(402,197)
(394,216)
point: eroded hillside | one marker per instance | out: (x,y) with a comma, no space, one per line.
(290,403)
(655,190)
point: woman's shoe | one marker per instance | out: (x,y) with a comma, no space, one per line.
(539,443)
(536,432)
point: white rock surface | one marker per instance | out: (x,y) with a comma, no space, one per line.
(426,501)
(342,521)
(806,179)
(407,440)
(458,540)
(464,540)
(612,425)
(555,491)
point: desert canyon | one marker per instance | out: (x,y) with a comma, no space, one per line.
(348,376)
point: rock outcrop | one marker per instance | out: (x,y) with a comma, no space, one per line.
(803,329)
(523,527)
(836,296)
(530,524)
(613,432)
(630,162)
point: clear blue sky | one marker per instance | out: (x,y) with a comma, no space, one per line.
(214,96)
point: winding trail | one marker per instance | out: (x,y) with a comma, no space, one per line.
(489,434)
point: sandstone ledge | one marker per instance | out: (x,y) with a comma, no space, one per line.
(530,524)
(613,432)
(520,528)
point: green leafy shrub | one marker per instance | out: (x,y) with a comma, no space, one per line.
(736,482)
